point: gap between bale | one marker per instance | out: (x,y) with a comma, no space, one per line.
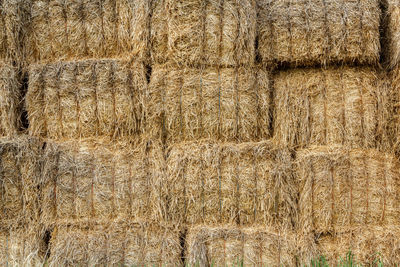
(342,188)
(230,104)
(246,184)
(199,32)
(82,99)
(347,106)
(301,33)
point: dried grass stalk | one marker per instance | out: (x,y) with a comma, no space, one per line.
(95,181)
(394,124)
(82,99)
(129,244)
(227,246)
(392,20)
(19,181)
(318,32)
(197,32)
(347,106)
(342,187)
(10,98)
(230,104)
(79,29)
(246,184)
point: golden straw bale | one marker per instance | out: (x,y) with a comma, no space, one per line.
(342,105)
(21,247)
(318,32)
(230,104)
(10,101)
(342,187)
(82,29)
(201,32)
(99,181)
(392,20)
(245,184)
(19,181)
(115,244)
(228,246)
(82,99)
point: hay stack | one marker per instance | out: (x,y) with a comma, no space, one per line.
(79,29)
(230,104)
(198,32)
(246,184)
(392,18)
(19,181)
(227,246)
(81,99)
(95,181)
(318,32)
(342,187)
(342,105)
(10,97)
(129,244)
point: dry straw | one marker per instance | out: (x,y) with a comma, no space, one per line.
(78,29)
(342,187)
(392,19)
(231,104)
(81,99)
(318,32)
(342,105)
(246,184)
(95,181)
(394,127)
(10,101)
(228,246)
(194,32)
(19,181)
(128,244)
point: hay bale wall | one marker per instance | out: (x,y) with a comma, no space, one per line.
(341,187)
(81,99)
(129,244)
(230,104)
(198,32)
(245,184)
(318,32)
(392,20)
(10,100)
(95,181)
(347,106)
(229,246)
(79,29)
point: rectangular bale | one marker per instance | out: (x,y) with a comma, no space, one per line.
(392,28)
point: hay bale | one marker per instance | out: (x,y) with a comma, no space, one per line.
(245,184)
(299,33)
(80,99)
(128,244)
(392,23)
(199,32)
(98,181)
(82,29)
(10,98)
(342,187)
(394,124)
(230,104)
(20,247)
(19,181)
(347,106)
(229,246)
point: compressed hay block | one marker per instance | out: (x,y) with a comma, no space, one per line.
(82,29)
(229,104)
(347,106)
(200,32)
(246,184)
(342,187)
(21,247)
(99,181)
(392,18)
(229,246)
(299,33)
(19,181)
(113,244)
(80,99)
(10,98)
